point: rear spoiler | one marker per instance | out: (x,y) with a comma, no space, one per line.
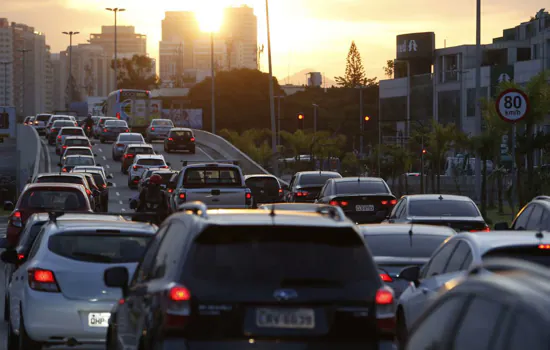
(53,215)
(212,162)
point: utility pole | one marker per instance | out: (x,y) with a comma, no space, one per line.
(478,97)
(271,98)
(5,64)
(361,123)
(315,117)
(279,116)
(70,80)
(115,11)
(23,104)
(213,82)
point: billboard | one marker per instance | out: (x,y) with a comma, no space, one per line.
(415,46)
(184,118)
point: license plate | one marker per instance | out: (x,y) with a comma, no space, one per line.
(364,207)
(289,319)
(100,319)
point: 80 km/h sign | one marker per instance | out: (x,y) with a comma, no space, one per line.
(512,105)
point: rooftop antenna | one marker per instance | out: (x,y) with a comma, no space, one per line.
(440,197)
(411,234)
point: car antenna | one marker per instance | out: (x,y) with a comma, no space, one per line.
(440,197)
(272,213)
(539,235)
(411,234)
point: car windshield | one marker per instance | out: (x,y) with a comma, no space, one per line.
(77,142)
(212,177)
(443,207)
(131,138)
(141,150)
(54,198)
(181,133)
(280,257)
(162,123)
(62,123)
(77,152)
(151,162)
(115,123)
(43,118)
(268,184)
(107,249)
(79,161)
(72,131)
(360,187)
(401,245)
(61,179)
(315,179)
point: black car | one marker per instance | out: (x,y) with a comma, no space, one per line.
(102,184)
(457,212)
(180,139)
(306,185)
(363,199)
(535,215)
(395,247)
(507,308)
(265,188)
(253,279)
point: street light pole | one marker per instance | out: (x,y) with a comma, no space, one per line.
(24,51)
(315,117)
(361,123)
(213,82)
(279,118)
(5,64)
(70,34)
(115,11)
(271,97)
(478,96)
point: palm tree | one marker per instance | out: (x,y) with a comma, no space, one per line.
(440,141)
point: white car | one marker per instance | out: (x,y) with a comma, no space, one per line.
(57,296)
(143,162)
(124,140)
(158,129)
(84,168)
(64,133)
(77,150)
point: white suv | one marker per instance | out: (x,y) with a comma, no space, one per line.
(143,162)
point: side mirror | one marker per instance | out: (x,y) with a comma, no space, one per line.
(117,277)
(133,204)
(9,256)
(410,273)
(109,184)
(501,226)
(8,206)
(381,215)
(59,164)
(110,176)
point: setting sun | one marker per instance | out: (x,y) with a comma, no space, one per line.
(210,14)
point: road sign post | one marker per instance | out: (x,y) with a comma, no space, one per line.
(512,106)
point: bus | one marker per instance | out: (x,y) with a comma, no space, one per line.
(133,106)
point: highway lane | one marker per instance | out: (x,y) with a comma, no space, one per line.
(119,193)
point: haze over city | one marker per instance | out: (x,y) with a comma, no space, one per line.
(305,33)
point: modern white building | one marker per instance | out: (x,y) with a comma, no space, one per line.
(202,54)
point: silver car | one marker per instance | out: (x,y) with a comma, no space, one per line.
(124,140)
(57,296)
(64,133)
(158,129)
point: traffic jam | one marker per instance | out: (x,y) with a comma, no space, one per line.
(204,256)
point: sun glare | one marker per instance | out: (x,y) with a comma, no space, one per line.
(210,15)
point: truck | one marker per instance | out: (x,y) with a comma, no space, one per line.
(220,184)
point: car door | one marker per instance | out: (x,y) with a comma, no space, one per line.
(325,193)
(534,221)
(397,212)
(416,298)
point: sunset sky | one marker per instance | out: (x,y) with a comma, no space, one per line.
(305,33)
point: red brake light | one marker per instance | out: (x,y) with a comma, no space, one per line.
(280,190)
(64,170)
(182,195)
(393,202)
(52,130)
(64,147)
(127,130)
(42,280)
(485,229)
(249,196)
(180,294)
(121,302)
(59,137)
(104,185)
(88,192)
(153,128)
(170,190)
(164,167)
(384,202)
(170,139)
(344,203)
(119,144)
(385,314)
(16,220)
(301,194)
(335,203)
(20,256)
(105,130)
(544,246)
(386,278)
(17,215)
(192,139)
(384,297)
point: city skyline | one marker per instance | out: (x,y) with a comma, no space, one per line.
(304,33)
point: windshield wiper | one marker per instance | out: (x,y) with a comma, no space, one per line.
(310,282)
(96,257)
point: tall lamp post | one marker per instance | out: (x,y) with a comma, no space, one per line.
(115,11)
(279,116)
(24,52)
(213,73)
(5,64)
(271,97)
(70,80)
(478,96)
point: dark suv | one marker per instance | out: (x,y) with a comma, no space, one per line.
(180,139)
(228,279)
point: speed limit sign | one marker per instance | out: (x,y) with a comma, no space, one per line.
(512,105)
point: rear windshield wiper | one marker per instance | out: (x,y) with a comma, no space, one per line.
(310,282)
(93,256)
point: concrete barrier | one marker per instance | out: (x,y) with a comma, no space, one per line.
(228,151)
(29,154)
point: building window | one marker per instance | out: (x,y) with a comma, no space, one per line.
(470,100)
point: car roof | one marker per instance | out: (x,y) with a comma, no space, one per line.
(164,171)
(258,217)
(76,138)
(181,129)
(163,119)
(101,226)
(78,147)
(149,156)
(115,120)
(89,167)
(402,229)
(246,177)
(107,117)
(71,127)
(79,156)
(130,134)
(212,164)
(53,184)
(141,145)
(56,174)
(318,173)
(501,239)
(77,216)
(451,197)
(357,179)
(293,206)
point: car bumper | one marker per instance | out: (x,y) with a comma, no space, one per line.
(51,315)
(366,217)
(110,135)
(185,146)
(184,344)
(157,135)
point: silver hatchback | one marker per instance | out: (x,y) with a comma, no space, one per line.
(158,129)
(124,140)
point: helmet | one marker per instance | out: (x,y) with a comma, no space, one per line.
(155,180)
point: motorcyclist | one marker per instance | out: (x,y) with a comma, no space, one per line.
(153,199)
(88,124)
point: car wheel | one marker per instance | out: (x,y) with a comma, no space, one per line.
(25,342)
(401,330)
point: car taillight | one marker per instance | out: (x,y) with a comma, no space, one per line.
(485,229)
(301,194)
(389,202)
(64,147)
(385,277)
(170,139)
(164,167)
(385,316)
(152,129)
(137,167)
(16,219)
(128,156)
(118,115)
(281,192)
(181,196)
(341,203)
(88,192)
(59,137)
(20,257)
(544,246)
(104,185)
(64,170)
(105,130)
(42,280)
(52,130)
(192,139)
(178,309)
(119,144)
(170,190)
(248,197)
(127,130)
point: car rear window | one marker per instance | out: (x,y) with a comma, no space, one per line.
(162,123)
(62,123)
(149,162)
(420,246)
(107,249)
(141,150)
(98,179)
(102,121)
(212,177)
(78,152)
(117,123)
(61,179)
(531,253)
(79,161)
(43,117)
(315,179)
(77,142)
(72,132)
(359,187)
(54,198)
(165,177)
(126,137)
(266,183)
(182,133)
(280,257)
(443,207)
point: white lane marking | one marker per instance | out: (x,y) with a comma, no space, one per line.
(123,209)
(114,184)
(119,202)
(100,150)
(118,194)
(107,166)
(208,155)
(104,158)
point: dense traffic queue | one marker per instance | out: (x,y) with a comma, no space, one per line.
(248,261)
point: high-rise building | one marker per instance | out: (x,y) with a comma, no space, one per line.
(202,52)
(240,30)
(6,63)
(58,100)
(128,41)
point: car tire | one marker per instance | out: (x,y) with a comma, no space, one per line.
(401,330)
(25,342)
